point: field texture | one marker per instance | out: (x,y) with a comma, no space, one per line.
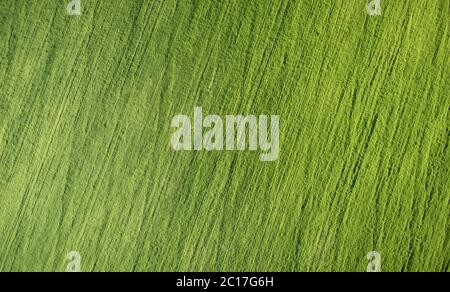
(86,104)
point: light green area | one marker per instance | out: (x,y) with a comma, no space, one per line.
(86,164)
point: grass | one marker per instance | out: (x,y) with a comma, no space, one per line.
(85,160)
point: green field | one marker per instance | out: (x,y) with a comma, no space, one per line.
(86,104)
